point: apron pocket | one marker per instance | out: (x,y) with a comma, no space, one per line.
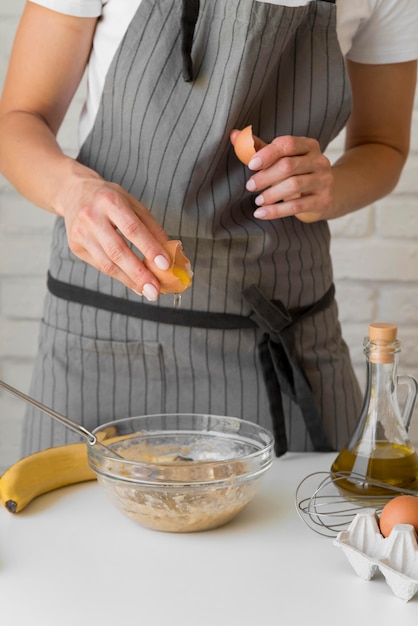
(94,381)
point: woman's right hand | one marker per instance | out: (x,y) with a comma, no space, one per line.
(101,218)
(43,76)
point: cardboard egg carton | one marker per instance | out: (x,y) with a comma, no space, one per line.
(395,556)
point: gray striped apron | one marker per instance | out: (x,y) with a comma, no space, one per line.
(258,331)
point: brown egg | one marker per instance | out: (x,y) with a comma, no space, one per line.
(400,510)
(244,145)
(178,277)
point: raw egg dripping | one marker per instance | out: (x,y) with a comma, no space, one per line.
(178,277)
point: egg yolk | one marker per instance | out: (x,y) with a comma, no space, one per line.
(182,275)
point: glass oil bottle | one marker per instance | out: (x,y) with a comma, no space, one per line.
(380,449)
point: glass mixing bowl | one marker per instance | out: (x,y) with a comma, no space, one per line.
(181,472)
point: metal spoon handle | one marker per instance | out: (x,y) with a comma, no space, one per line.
(77,428)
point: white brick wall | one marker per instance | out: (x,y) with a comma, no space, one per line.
(375,259)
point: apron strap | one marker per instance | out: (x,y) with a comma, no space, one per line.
(190,13)
(280,365)
(282,371)
(149,312)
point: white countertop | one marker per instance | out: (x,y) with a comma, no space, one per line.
(72,558)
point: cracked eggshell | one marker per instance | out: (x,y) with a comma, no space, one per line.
(178,277)
(244,145)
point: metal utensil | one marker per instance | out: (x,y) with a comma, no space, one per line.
(326,511)
(68,423)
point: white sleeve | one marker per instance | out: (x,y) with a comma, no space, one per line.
(389,34)
(78,8)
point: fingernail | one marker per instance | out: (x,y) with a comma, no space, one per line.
(150,292)
(162,262)
(255,163)
(250,185)
(260,213)
(259,200)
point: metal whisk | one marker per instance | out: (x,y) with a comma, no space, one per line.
(322,506)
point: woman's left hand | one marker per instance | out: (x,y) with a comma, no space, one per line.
(292,177)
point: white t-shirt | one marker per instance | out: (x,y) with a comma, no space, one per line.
(369,31)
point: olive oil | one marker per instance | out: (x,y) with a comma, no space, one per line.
(379,449)
(392,464)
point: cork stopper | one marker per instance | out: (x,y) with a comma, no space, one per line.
(379,331)
(382,336)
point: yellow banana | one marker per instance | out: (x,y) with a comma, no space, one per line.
(44,471)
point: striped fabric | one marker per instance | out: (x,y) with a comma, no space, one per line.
(166,141)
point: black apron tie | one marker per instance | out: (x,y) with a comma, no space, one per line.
(282,371)
(189,17)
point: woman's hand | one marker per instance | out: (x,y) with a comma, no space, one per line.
(292,177)
(101,218)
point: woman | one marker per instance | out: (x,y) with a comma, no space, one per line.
(170,82)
